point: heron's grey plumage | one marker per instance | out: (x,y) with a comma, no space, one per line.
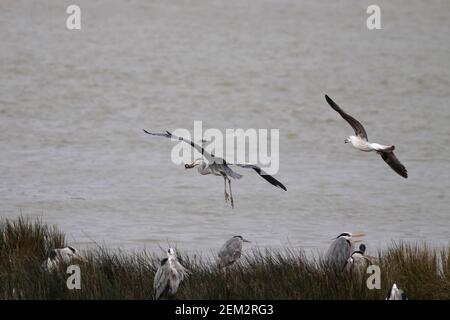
(360,141)
(339,252)
(231,251)
(210,164)
(168,276)
(62,255)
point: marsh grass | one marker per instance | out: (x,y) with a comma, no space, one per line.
(423,272)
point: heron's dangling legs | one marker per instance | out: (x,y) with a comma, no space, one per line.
(225,191)
(231,194)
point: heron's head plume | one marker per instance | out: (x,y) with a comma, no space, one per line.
(241,238)
(346,235)
(72,249)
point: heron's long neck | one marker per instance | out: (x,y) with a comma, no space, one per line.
(203,168)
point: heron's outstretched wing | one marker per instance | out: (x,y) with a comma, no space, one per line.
(167,134)
(394,163)
(266,176)
(356,125)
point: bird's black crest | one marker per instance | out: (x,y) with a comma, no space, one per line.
(72,249)
(343,235)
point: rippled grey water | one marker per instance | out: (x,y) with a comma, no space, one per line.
(73,103)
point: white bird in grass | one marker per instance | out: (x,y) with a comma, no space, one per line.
(63,255)
(341,249)
(360,141)
(396,293)
(219,167)
(168,276)
(231,251)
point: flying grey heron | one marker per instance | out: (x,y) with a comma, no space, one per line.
(360,141)
(210,164)
(231,251)
(341,249)
(168,276)
(63,255)
(396,293)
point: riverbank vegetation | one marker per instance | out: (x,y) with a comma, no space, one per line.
(423,272)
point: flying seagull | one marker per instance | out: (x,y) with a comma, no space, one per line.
(210,164)
(396,293)
(231,251)
(360,141)
(168,276)
(62,255)
(341,249)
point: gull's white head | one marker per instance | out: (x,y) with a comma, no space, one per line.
(351,139)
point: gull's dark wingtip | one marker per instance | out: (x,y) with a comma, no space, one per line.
(330,101)
(146,131)
(283,187)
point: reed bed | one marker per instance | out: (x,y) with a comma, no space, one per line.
(422,271)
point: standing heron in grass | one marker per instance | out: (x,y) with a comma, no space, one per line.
(341,249)
(168,276)
(396,293)
(357,259)
(210,164)
(231,251)
(360,141)
(62,255)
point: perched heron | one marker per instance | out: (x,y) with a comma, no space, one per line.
(168,276)
(63,255)
(231,251)
(360,141)
(357,259)
(341,249)
(210,164)
(396,293)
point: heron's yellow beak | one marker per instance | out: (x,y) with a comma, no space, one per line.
(357,235)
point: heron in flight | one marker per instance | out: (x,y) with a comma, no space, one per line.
(210,164)
(168,276)
(63,255)
(360,141)
(395,293)
(231,251)
(341,249)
